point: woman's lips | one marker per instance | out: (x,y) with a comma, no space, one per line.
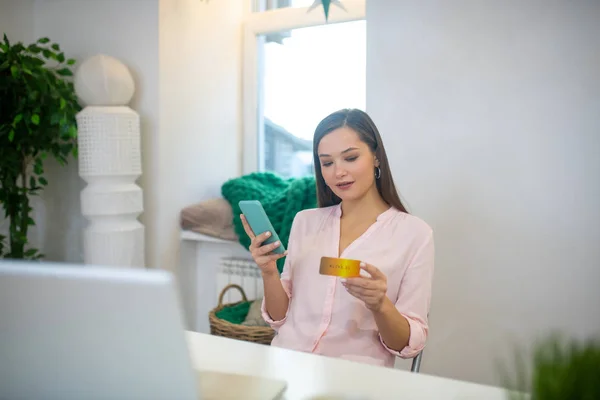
(344,185)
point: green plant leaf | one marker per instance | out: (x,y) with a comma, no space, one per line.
(30,253)
(55,119)
(14,70)
(71,61)
(64,72)
(34,48)
(11,135)
(38,168)
(43,181)
(38,62)
(17,119)
(56,47)
(35,119)
(43,40)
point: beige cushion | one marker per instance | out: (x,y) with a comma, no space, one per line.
(254,317)
(211,217)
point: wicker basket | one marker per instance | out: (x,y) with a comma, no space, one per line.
(219,327)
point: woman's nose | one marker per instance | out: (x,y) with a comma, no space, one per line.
(339,172)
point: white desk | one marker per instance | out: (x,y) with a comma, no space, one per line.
(310,375)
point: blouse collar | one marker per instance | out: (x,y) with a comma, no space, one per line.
(387,214)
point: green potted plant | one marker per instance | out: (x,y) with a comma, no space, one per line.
(560,369)
(38,106)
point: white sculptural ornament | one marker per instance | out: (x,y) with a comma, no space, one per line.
(110,163)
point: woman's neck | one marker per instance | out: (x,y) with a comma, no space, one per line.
(370,205)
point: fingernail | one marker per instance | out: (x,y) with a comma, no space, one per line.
(276,244)
(343,280)
(362,264)
(268,234)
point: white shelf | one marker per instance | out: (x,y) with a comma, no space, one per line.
(198,237)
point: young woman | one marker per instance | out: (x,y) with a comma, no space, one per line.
(371,318)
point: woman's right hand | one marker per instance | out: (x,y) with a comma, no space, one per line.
(262,255)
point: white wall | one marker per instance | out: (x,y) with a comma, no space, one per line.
(200,50)
(490,114)
(16,20)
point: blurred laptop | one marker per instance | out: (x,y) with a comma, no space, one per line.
(80,332)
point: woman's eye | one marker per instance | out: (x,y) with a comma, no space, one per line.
(350,159)
(327,164)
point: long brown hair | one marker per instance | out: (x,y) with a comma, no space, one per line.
(360,122)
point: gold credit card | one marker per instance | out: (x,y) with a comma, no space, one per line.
(341,267)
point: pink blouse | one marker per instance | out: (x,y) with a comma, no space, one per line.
(322,317)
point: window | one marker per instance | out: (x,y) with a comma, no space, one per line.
(298,69)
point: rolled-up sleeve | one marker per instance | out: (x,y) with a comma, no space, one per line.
(414,298)
(286,277)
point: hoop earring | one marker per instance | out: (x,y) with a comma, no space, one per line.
(377,172)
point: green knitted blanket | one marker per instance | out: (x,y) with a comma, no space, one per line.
(281,198)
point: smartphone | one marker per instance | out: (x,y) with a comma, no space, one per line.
(259,222)
(342,267)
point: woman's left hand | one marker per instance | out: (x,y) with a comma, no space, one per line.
(371,290)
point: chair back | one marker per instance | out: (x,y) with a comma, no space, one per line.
(416,363)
